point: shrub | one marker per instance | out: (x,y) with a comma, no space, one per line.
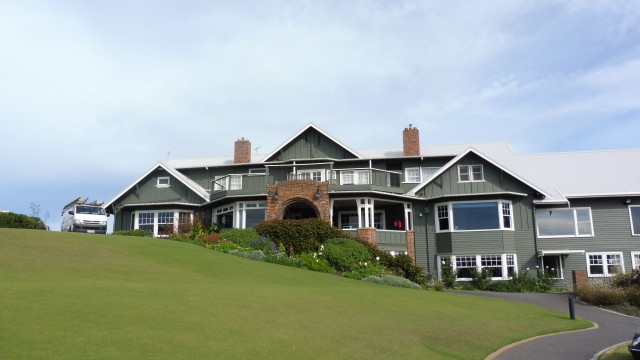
(264,244)
(242,237)
(481,279)
(448,274)
(363,270)
(254,255)
(627,280)
(601,293)
(20,221)
(300,235)
(212,239)
(136,232)
(521,282)
(283,259)
(546,279)
(315,262)
(344,254)
(226,246)
(404,264)
(392,280)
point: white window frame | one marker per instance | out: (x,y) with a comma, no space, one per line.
(605,270)
(412,178)
(155,219)
(311,173)
(471,173)
(420,175)
(633,233)
(635,262)
(238,212)
(163,182)
(575,223)
(478,261)
(358,177)
(500,214)
(355,212)
(228,181)
(257,171)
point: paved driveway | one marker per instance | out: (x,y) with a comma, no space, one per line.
(613,329)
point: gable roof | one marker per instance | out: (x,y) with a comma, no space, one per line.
(310,126)
(455,160)
(197,189)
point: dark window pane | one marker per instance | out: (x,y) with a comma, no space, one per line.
(476,216)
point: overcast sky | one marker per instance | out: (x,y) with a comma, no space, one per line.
(94,93)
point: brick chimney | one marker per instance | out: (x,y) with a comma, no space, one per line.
(242,151)
(411,141)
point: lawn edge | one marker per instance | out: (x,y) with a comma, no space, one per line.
(496,353)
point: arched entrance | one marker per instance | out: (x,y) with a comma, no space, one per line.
(300,209)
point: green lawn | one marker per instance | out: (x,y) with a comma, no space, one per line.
(81,296)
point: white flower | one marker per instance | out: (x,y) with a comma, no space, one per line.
(365,264)
(527,269)
(377,258)
(553,269)
(537,266)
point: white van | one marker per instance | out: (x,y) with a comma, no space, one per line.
(80,216)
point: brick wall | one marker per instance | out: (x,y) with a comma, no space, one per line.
(580,278)
(313,193)
(242,151)
(368,235)
(411,244)
(411,141)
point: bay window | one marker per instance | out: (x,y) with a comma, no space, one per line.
(162,222)
(501,266)
(568,222)
(474,216)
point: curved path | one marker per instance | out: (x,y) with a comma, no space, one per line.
(613,328)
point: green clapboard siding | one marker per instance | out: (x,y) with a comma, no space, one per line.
(146,192)
(312,144)
(496,181)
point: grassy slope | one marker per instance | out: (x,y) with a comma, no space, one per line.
(80,296)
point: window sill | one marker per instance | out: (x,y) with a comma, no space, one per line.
(466,231)
(565,236)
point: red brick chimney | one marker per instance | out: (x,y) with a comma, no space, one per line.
(242,151)
(411,141)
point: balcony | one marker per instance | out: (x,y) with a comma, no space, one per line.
(340,180)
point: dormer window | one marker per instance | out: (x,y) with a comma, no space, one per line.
(470,173)
(163,181)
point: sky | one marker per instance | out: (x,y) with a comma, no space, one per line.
(94,93)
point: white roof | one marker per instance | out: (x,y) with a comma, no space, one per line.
(558,175)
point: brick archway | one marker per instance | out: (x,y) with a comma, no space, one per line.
(311,194)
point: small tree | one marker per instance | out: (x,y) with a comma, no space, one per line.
(448,274)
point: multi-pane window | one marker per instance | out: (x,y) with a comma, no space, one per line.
(419,174)
(443,217)
(162,222)
(465,264)
(506,215)
(145,221)
(564,222)
(165,223)
(354,177)
(228,182)
(412,175)
(317,175)
(634,215)
(604,264)
(501,266)
(469,173)
(473,216)
(393,179)
(492,263)
(235,182)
